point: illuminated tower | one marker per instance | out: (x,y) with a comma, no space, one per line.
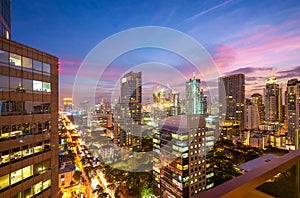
(194,97)
(234,98)
(273,100)
(256,99)
(293,108)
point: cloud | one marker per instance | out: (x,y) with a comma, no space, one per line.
(292,73)
(248,70)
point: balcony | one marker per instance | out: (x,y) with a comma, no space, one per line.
(247,185)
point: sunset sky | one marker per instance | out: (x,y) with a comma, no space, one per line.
(257,38)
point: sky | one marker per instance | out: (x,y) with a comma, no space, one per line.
(259,38)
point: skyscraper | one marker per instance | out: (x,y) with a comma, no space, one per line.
(128,111)
(194,97)
(28,121)
(293,108)
(5,18)
(232,92)
(273,100)
(256,99)
(180,156)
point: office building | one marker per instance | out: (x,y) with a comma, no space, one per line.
(127,112)
(293,108)
(180,156)
(232,98)
(28,121)
(194,97)
(273,101)
(5,18)
(252,116)
(256,99)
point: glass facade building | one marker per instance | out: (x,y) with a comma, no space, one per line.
(28,121)
(5,18)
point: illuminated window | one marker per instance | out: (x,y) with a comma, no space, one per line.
(46,184)
(27,172)
(37,188)
(15,59)
(27,62)
(16,176)
(37,85)
(46,87)
(4,181)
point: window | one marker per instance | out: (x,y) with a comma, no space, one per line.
(46,184)
(4,85)
(16,176)
(37,85)
(27,62)
(46,87)
(46,68)
(37,188)
(3,57)
(15,82)
(4,181)
(37,65)
(27,172)
(27,84)
(15,60)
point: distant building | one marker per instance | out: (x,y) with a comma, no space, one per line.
(194,97)
(293,109)
(252,116)
(180,156)
(232,98)
(68,105)
(273,101)
(256,99)
(127,112)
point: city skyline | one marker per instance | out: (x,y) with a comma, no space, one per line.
(250,44)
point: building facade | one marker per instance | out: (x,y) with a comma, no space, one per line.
(232,100)
(273,101)
(256,99)
(127,112)
(28,121)
(194,97)
(180,156)
(293,108)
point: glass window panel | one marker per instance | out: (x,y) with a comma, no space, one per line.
(27,62)
(46,184)
(16,176)
(46,87)
(27,84)
(3,56)
(15,82)
(29,107)
(4,181)
(15,59)
(37,188)
(46,67)
(4,83)
(37,65)
(37,85)
(27,172)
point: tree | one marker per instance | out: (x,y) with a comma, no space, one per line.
(77,175)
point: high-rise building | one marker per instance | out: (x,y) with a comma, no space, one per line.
(252,116)
(180,156)
(194,97)
(5,18)
(273,101)
(232,97)
(127,112)
(293,108)
(175,109)
(256,99)
(28,121)
(68,104)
